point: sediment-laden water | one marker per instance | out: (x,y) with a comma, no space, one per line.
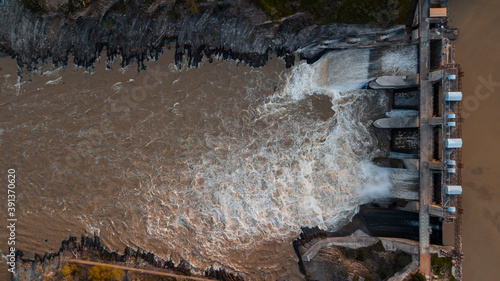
(219,165)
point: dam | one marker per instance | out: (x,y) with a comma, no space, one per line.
(208,166)
(425,158)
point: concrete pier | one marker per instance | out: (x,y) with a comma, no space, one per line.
(401,122)
(394,82)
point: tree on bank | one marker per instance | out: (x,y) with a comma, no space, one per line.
(103,273)
(417,276)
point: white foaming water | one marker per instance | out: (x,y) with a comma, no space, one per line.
(400,60)
(282,169)
(379,185)
(345,70)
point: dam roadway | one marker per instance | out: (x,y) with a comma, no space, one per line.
(440,163)
(425,137)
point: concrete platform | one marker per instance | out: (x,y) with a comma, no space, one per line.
(395,82)
(393,123)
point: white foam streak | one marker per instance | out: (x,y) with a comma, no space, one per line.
(400,60)
(302,82)
(378,184)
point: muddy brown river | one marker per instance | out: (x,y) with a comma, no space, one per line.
(219,165)
(222,164)
(477,51)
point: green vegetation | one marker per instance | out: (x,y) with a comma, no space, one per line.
(70,271)
(282,8)
(141,6)
(191,6)
(377,12)
(417,277)
(72,6)
(68,7)
(250,37)
(108,24)
(362,254)
(36,6)
(403,259)
(131,275)
(376,254)
(103,273)
(442,266)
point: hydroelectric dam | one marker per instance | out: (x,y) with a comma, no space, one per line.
(217,170)
(425,156)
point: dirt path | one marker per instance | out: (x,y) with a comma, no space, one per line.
(139,270)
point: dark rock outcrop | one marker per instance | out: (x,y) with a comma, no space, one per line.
(92,248)
(139,30)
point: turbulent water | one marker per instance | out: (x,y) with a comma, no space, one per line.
(219,165)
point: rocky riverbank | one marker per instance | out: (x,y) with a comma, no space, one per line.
(48,266)
(137,31)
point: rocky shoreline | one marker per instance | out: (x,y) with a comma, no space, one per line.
(92,248)
(137,31)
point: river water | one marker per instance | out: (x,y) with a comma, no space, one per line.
(219,165)
(477,51)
